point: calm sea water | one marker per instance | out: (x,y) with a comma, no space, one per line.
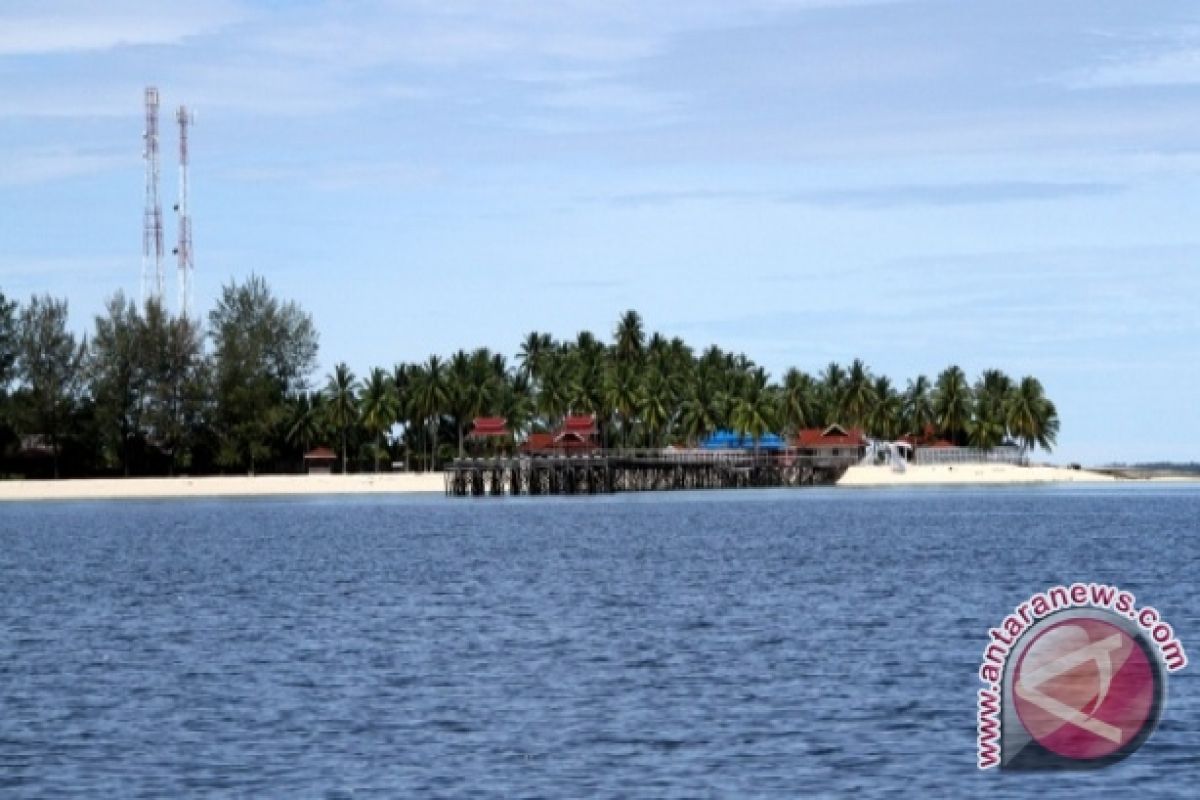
(734,644)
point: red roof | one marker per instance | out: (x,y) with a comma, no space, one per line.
(320,454)
(551,442)
(489,426)
(928,438)
(579,425)
(539,441)
(833,436)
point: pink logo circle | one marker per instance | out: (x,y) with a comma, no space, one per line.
(1084,688)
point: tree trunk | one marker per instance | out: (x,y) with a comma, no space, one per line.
(433,447)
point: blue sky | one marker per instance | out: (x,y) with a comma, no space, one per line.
(915,182)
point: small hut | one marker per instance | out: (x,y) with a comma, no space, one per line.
(319,461)
(490,430)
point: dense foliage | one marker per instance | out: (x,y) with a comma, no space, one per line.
(148,393)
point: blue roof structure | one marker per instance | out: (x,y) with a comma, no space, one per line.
(731,440)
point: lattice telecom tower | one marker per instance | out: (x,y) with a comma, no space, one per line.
(184,249)
(152,230)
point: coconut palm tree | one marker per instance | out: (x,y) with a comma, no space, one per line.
(754,410)
(712,359)
(460,380)
(833,384)
(885,419)
(918,405)
(658,348)
(404,379)
(655,405)
(1031,416)
(621,394)
(515,403)
(553,395)
(431,394)
(992,392)
(380,408)
(477,396)
(858,396)
(699,411)
(680,354)
(497,363)
(585,389)
(989,416)
(952,403)
(799,401)
(533,347)
(342,403)
(984,431)
(629,337)
(307,421)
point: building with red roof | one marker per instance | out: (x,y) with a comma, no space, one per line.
(489,428)
(833,441)
(577,434)
(319,461)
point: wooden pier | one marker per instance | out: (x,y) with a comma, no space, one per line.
(609,471)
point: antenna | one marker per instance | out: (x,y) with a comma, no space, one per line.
(152,229)
(184,249)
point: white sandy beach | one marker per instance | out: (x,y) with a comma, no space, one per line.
(936,474)
(221,486)
(405,483)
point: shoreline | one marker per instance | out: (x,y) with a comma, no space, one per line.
(433,482)
(222,486)
(988,475)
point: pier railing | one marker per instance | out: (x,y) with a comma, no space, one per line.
(971,455)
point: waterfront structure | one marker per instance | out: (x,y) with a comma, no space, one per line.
(319,461)
(732,440)
(832,442)
(577,434)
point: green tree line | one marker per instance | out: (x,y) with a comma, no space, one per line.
(150,393)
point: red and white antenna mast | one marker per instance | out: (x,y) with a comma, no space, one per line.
(184,249)
(152,230)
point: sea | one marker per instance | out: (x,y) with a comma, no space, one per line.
(814,642)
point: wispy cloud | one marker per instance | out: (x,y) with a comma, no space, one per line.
(50,164)
(341,176)
(956,194)
(66,26)
(884,196)
(1175,68)
(673,196)
(1142,57)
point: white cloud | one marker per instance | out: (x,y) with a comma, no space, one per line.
(1175,68)
(51,164)
(60,26)
(339,176)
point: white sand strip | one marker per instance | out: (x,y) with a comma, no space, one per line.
(933,474)
(221,486)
